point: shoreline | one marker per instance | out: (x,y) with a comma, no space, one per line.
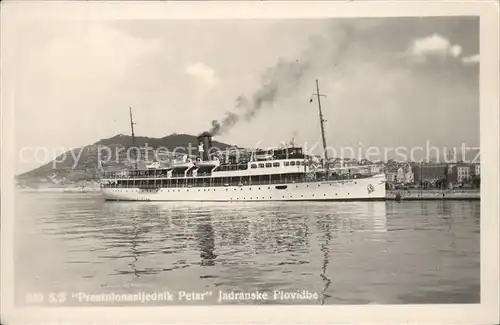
(391,195)
(420,195)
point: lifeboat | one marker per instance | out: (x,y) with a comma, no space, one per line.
(155,165)
(265,156)
(208,163)
(185,164)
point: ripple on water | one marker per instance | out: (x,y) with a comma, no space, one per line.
(348,252)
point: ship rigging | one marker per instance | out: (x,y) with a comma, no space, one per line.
(133,134)
(280,174)
(322,125)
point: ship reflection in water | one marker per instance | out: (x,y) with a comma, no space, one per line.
(342,252)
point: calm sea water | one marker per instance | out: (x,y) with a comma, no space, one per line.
(345,252)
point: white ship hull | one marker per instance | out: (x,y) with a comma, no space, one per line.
(371,188)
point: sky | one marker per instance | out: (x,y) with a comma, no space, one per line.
(388,81)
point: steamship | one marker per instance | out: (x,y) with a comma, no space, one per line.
(280,174)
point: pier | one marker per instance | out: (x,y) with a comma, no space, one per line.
(415,194)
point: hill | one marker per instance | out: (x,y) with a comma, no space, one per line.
(81,164)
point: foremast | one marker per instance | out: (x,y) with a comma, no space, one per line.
(322,124)
(133,134)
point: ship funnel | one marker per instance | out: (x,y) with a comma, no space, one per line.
(204,145)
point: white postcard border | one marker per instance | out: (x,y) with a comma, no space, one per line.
(486,312)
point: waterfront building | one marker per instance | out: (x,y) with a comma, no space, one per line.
(409,177)
(451,175)
(477,169)
(343,164)
(365,161)
(364,171)
(463,173)
(376,169)
(400,175)
(391,174)
(336,163)
(429,173)
(460,172)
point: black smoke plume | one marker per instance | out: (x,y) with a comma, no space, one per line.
(276,81)
(284,78)
(226,123)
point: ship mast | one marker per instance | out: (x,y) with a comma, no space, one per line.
(133,134)
(322,122)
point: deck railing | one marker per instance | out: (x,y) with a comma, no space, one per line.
(199,175)
(188,183)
